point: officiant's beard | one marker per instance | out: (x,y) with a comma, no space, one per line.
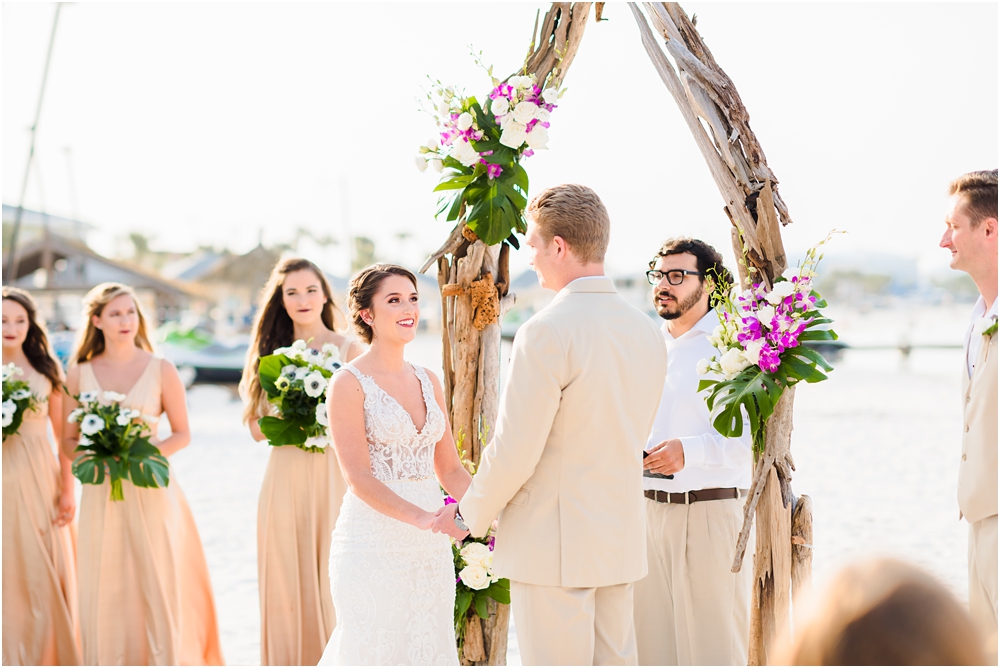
(677,309)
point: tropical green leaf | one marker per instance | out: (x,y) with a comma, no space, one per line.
(89,468)
(463,599)
(498,592)
(281,431)
(480,600)
(455,182)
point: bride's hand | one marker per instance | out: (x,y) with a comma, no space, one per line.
(424,521)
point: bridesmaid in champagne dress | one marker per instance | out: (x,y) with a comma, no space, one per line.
(145,593)
(302,491)
(40,621)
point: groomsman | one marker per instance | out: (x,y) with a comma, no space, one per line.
(564,469)
(971,236)
(691,609)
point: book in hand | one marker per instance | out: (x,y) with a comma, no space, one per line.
(649,474)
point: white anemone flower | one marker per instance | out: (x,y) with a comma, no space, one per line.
(116,397)
(314,384)
(123,417)
(322,418)
(317,442)
(91,424)
(75,415)
(88,397)
(23,393)
(9,410)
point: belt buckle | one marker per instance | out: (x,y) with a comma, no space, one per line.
(687,498)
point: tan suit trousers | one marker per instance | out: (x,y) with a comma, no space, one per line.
(565,626)
(983,579)
(690,609)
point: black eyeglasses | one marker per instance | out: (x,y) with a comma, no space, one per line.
(674,276)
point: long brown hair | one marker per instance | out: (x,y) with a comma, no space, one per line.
(273,328)
(91,343)
(36,344)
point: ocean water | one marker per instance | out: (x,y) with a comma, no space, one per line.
(876,447)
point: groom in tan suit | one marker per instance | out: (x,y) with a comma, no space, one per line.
(564,469)
(971,236)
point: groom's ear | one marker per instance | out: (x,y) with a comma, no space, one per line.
(561,247)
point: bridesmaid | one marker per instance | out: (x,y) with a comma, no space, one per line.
(40,621)
(302,491)
(145,594)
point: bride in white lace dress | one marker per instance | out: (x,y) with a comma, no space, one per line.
(392,578)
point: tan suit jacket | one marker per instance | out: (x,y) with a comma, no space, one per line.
(564,468)
(977,472)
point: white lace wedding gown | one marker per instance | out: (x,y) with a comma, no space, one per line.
(393,584)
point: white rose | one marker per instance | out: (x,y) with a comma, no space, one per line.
(733,362)
(91,424)
(500,106)
(476,554)
(314,384)
(703,367)
(436,164)
(982,324)
(9,410)
(765,314)
(538,138)
(524,112)
(75,415)
(475,577)
(462,151)
(550,95)
(420,163)
(513,135)
(464,121)
(779,292)
(752,351)
(20,394)
(542,115)
(114,396)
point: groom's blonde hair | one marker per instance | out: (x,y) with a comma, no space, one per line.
(577,215)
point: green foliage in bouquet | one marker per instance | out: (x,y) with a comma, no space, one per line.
(295,380)
(115,442)
(17,398)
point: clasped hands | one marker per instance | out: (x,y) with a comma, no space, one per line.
(666,458)
(444,522)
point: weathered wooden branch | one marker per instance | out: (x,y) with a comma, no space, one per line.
(802,547)
(720,124)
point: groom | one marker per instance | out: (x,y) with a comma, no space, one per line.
(564,469)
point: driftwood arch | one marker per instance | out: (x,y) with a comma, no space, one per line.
(474,281)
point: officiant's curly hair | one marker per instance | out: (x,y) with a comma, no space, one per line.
(361,293)
(978,191)
(273,328)
(708,259)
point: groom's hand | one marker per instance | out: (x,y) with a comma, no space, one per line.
(666,458)
(444,522)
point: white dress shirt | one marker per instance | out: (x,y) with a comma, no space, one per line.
(710,460)
(974,343)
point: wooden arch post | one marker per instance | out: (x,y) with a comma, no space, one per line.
(474,280)
(714,113)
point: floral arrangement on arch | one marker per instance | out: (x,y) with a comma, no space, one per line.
(479,148)
(760,341)
(295,380)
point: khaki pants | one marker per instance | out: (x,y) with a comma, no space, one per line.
(983,580)
(562,626)
(691,609)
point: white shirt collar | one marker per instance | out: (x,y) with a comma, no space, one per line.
(979,310)
(705,326)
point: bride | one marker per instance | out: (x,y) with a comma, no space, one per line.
(392,577)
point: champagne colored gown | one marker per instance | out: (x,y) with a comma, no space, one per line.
(145,593)
(40,620)
(299,504)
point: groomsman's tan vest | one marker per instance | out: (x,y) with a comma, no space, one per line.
(977,472)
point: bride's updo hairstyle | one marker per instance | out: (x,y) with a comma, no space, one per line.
(363,288)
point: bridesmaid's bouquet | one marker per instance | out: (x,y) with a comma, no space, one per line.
(17,398)
(760,339)
(114,441)
(295,379)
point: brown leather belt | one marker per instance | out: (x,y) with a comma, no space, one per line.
(695,495)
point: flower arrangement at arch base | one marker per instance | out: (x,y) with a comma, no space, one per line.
(761,340)
(480,147)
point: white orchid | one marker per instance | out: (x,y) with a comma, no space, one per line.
(765,314)
(982,325)
(779,292)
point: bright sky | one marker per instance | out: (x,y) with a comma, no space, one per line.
(215,123)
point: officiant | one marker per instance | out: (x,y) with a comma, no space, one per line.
(691,609)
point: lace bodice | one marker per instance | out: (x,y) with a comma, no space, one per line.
(396,449)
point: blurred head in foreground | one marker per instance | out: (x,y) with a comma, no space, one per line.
(882,612)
